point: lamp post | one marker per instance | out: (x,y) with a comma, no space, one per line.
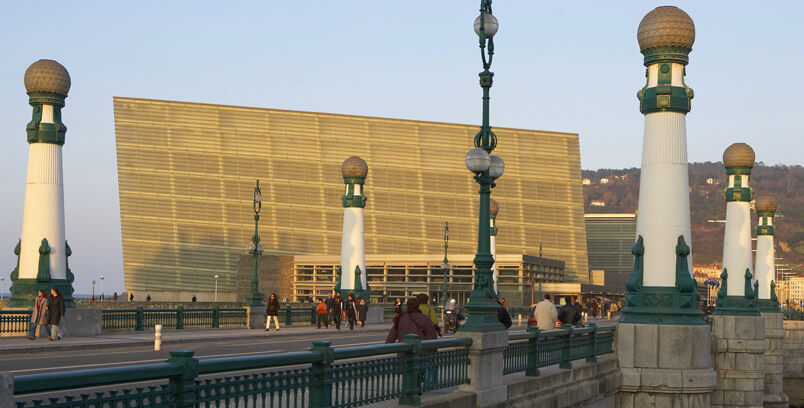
(216,287)
(101,293)
(445,267)
(540,273)
(1,287)
(93,290)
(482,305)
(255,247)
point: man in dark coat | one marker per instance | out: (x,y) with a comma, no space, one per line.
(328,303)
(362,311)
(351,311)
(337,309)
(569,313)
(55,310)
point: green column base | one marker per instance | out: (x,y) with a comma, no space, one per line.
(661,305)
(769,306)
(737,306)
(23,292)
(482,316)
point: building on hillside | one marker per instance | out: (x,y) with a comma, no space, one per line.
(597,203)
(790,292)
(604,181)
(609,238)
(586,182)
(186,173)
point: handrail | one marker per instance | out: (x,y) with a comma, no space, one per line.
(63,380)
(223,364)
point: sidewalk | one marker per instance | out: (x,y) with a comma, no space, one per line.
(17,345)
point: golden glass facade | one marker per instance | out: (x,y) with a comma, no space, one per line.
(186,174)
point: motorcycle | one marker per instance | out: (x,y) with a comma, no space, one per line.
(452,321)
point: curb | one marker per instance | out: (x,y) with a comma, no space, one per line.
(140,343)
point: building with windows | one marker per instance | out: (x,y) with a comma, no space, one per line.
(609,238)
(186,173)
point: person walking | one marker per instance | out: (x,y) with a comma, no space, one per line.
(351,311)
(114,297)
(38,315)
(428,310)
(337,310)
(362,311)
(328,303)
(398,307)
(546,314)
(272,311)
(148,298)
(131,298)
(413,321)
(321,314)
(55,312)
(569,313)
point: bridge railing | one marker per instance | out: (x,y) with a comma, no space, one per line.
(793,315)
(321,377)
(180,318)
(14,322)
(534,349)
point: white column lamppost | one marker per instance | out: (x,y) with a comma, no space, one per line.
(216,287)
(101,292)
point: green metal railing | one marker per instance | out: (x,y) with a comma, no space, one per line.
(15,321)
(793,315)
(140,319)
(363,375)
(533,349)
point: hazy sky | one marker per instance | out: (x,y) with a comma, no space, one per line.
(563,66)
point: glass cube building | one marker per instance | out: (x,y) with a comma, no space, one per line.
(186,174)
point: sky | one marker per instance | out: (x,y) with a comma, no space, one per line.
(559,66)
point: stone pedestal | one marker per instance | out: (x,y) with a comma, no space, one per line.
(82,322)
(665,365)
(774,396)
(6,389)
(486,370)
(374,315)
(740,346)
(255,316)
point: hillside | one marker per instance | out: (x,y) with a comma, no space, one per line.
(707,205)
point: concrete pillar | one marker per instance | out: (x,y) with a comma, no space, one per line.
(774,396)
(255,316)
(739,361)
(486,370)
(6,389)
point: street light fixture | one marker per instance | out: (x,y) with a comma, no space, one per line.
(93,290)
(1,287)
(101,292)
(445,267)
(216,287)
(482,305)
(256,248)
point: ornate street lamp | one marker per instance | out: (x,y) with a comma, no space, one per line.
(93,290)
(445,267)
(1,288)
(255,248)
(101,292)
(482,305)
(216,287)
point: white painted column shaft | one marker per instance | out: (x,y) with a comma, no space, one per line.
(43,214)
(737,246)
(766,266)
(353,251)
(664,206)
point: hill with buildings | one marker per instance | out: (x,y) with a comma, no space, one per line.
(617,190)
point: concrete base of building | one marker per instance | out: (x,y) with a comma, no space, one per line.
(256,317)
(739,361)
(773,396)
(485,372)
(665,365)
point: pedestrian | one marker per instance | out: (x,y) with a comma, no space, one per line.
(337,310)
(398,307)
(546,314)
(428,310)
(114,297)
(351,311)
(38,315)
(131,298)
(502,302)
(569,313)
(328,304)
(272,311)
(362,311)
(55,311)
(321,314)
(411,322)
(503,316)
(194,299)
(148,298)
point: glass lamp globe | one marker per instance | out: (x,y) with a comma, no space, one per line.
(490,25)
(496,166)
(250,246)
(477,160)
(260,247)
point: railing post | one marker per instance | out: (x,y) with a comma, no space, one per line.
(216,317)
(565,352)
(288,316)
(138,319)
(180,318)
(410,379)
(321,390)
(532,369)
(182,387)
(592,357)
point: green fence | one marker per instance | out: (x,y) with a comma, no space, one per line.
(793,315)
(321,377)
(14,322)
(533,349)
(180,318)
